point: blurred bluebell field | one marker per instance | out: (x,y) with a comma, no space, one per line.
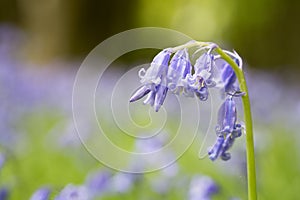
(42,157)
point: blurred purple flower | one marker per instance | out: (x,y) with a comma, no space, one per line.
(72,192)
(123,182)
(25,88)
(4,194)
(41,194)
(202,188)
(98,183)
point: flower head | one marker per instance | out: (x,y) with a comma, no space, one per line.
(180,76)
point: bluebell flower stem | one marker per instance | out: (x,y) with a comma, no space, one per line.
(192,43)
(251,174)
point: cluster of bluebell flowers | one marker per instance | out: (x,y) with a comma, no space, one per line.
(172,71)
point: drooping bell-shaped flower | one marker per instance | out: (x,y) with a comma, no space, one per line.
(179,68)
(201,89)
(150,97)
(140,93)
(157,69)
(154,81)
(204,65)
(227,116)
(160,96)
(216,150)
(203,75)
(227,76)
(227,130)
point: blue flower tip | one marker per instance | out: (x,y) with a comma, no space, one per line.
(139,93)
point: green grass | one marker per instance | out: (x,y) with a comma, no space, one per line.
(39,161)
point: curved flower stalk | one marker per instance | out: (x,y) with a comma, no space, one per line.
(214,68)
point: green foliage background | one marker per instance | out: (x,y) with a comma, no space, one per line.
(266,32)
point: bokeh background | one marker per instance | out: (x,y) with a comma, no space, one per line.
(42,44)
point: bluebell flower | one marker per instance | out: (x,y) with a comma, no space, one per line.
(201,89)
(181,77)
(72,192)
(228,77)
(98,183)
(123,182)
(227,116)
(140,93)
(202,188)
(204,65)
(41,194)
(215,151)
(154,81)
(157,69)
(4,194)
(226,145)
(227,130)
(203,76)
(150,97)
(180,67)
(160,96)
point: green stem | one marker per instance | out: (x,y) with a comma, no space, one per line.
(189,44)
(248,123)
